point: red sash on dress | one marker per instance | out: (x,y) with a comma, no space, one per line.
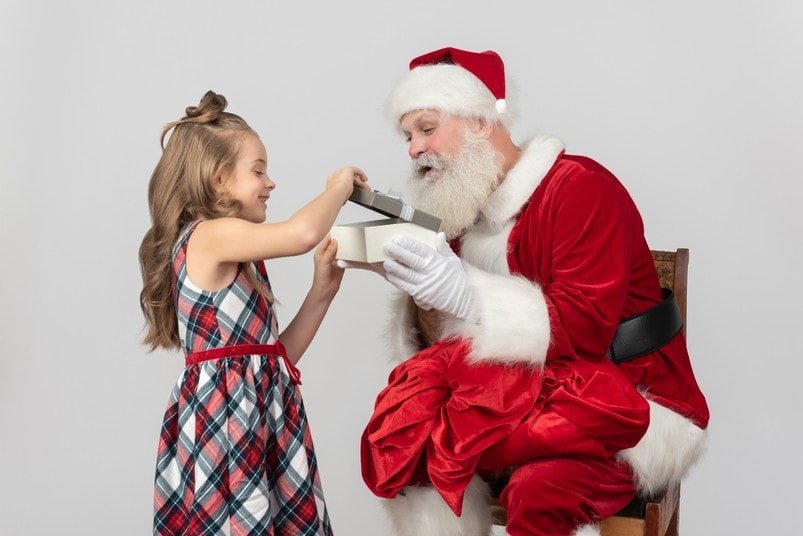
(276,349)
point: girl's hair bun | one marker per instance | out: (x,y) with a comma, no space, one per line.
(209,109)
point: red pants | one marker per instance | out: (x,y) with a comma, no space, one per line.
(442,419)
(553,496)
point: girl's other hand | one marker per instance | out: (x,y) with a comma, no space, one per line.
(327,277)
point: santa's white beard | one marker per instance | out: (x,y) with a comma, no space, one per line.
(456,187)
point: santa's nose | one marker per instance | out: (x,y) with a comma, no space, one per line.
(416,148)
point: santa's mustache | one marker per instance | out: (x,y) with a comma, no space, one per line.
(427,162)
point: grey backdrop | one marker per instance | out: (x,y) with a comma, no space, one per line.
(694,105)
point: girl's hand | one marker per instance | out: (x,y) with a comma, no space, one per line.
(327,277)
(347,179)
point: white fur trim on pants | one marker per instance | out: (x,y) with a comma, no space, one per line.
(421,511)
(513,317)
(587,530)
(667,451)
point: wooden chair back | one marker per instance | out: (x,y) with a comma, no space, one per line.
(673,270)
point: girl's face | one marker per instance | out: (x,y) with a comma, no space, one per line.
(247,181)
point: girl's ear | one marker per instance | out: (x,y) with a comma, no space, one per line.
(217,181)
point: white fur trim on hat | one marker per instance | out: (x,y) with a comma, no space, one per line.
(445,87)
(421,511)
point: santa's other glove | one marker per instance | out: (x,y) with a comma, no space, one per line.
(433,277)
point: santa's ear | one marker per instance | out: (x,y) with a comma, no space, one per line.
(484,127)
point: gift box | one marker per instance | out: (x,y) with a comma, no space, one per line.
(364,241)
(394,207)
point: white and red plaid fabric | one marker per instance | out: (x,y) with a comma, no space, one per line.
(235,452)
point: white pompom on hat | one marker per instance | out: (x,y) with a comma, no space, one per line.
(459,82)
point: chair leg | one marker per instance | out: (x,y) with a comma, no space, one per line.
(672,529)
(652,520)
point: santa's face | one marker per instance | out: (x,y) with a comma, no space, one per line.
(428,131)
(455,168)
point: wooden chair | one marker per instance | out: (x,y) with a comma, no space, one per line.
(658,516)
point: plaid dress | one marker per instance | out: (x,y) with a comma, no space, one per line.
(235,452)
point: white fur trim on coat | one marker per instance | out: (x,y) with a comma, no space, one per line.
(402,331)
(512,319)
(421,511)
(536,159)
(667,451)
(485,247)
(445,87)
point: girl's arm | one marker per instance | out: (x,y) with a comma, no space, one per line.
(325,283)
(234,240)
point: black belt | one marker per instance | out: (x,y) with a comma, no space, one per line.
(646,332)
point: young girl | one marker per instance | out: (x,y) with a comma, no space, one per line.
(235,452)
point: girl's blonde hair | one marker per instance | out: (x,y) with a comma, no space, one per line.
(203,144)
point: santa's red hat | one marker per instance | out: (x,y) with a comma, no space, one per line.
(455,81)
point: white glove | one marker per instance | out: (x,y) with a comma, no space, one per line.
(435,279)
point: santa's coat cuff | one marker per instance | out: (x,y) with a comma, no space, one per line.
(510,322)
(671,446)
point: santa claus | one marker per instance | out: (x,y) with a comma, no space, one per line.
(506,332)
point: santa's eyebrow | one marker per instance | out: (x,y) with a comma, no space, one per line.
(420,123)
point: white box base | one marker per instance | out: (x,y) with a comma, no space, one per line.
(364,241)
